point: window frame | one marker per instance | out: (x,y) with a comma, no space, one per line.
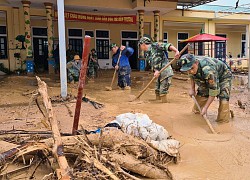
(165,40)
(217,45)
(5,43)
(41,52)
(69,38)
(179,41)
(243,41)
(100,54)
(129,38)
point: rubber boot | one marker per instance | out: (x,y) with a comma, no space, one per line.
(157,97)
(201,101)
(223,112)
(163,98)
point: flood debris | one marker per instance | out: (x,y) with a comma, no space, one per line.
(109,153)
(96,105)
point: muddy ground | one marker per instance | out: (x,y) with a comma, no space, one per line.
(204,155)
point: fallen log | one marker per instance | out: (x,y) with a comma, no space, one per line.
(111,139)
(145,169)
(124,149)
(64,171)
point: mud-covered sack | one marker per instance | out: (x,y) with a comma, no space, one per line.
(169,146)
(140,125)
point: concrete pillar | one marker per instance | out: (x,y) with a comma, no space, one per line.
(29,54)
(141,60)
(141,27)
(210,29)
(156,25)
(62,48)
(51,61)
(248,52)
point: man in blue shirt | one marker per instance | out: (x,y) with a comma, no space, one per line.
(123,67)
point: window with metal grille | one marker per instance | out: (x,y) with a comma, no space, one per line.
(102,44)
(165,37)
(76,45)
(3,42)
(220,48)
(243,45)
(75,39)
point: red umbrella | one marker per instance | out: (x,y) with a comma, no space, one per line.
(203,37)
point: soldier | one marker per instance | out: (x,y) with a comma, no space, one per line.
(93,64)
(156,57)
(70,53)
(74,68)
(213,78)
(124,69)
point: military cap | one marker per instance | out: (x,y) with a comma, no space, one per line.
(112,45)
(186,62)
(145,40)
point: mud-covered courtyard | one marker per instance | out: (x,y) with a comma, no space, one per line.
(204,155)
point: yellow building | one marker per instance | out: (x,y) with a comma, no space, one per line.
(120,21)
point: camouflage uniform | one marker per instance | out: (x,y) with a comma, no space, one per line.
(213,78)
(93,66)
(74,70)
(157,58)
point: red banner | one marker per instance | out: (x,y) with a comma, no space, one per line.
(130,19)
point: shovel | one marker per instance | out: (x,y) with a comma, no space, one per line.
(204,116)
(165,67)
(110,88)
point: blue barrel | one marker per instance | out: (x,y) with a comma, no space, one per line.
(30,66)
(52,62)
(142,65)
(52,66)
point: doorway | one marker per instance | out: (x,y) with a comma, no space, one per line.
(40,46)
(134,57)
(130,38)
(40,49)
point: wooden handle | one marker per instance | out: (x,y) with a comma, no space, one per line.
(118,61)
(204,116)
(165,67)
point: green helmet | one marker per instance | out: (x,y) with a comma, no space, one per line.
(112,45)
(186,62)
(146,40)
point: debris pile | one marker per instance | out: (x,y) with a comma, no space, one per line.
(126,148)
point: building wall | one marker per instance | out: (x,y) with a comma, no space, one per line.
(206,20)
